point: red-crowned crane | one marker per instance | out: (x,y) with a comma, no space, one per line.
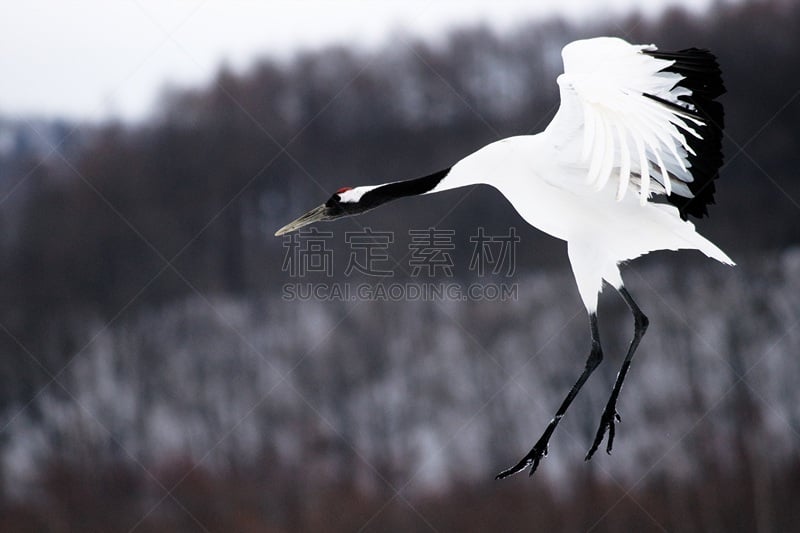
(633,150)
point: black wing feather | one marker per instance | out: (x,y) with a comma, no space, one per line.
(702,76)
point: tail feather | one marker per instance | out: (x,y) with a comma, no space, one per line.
(713,251)
(664,229)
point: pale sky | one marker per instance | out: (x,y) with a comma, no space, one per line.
(95,59)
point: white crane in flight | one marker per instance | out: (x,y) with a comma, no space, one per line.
(633,150)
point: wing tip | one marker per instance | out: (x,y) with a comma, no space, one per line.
(702,76)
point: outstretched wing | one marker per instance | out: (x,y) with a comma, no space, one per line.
(642,119)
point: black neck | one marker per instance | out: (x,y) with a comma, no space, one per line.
(399,189)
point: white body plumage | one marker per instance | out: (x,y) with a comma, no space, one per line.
(601,230)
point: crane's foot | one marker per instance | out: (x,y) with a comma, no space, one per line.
(607,423)
(536,454)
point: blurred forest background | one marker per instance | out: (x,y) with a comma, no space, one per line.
(153,379)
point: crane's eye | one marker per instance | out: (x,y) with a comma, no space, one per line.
(334,200)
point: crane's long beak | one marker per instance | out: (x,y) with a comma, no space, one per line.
(315,215)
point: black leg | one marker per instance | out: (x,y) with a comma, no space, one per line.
(610,415)
(539,450)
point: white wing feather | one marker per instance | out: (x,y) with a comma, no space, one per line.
(625,112)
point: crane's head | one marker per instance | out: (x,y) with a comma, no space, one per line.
(344,202)
(349,201)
